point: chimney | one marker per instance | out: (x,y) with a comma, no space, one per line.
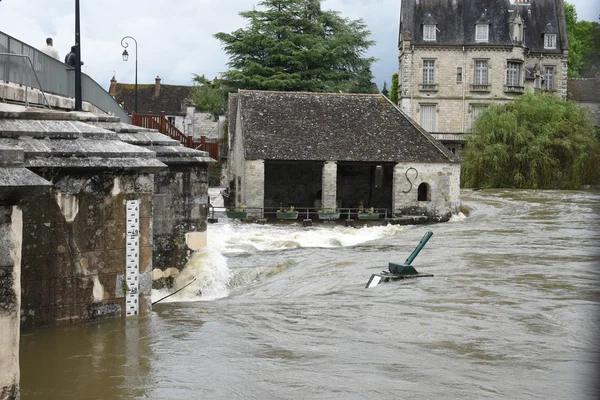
(112,90)
(157,86)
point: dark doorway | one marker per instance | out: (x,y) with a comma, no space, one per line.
(292,183)
(366,183)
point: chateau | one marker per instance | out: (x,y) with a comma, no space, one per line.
(459,56)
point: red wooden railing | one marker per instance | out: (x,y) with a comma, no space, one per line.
(161,124)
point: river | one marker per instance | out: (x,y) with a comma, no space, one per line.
(511,312)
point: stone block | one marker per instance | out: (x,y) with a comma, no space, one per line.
(88,234)
(37,239)
(145,259)
(60,265)
(9,301)
(145,231)
(61,291)
(109,283)
(114,234)
(35,268)
(35,294)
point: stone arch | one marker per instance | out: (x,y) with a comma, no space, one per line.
(424,192)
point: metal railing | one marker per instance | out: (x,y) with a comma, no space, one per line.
(45,101)
(300,213)
(54,76)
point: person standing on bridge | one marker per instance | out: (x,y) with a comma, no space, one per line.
(50,50)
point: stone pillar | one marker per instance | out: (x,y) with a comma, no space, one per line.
(329,191)
(11,226)
(254,187)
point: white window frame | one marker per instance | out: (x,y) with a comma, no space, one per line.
(549,77)
(550,41)
(513,73)
(428,72)
(476,111)
(429,33)
(481,72)
(482,33)
(429,117)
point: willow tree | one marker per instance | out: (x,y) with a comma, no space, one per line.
(536,141)
(293,45)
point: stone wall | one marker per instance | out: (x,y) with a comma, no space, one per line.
(74,247)
(254,186)
(179,219)
(329,191)
(593,111)
(443,189)
(454,100)
(10,296)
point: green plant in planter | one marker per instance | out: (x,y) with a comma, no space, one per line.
(368,214)
(288,213)
(329,214)
(237,213)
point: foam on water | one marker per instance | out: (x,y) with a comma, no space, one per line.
(209,267)
(241,238)
(214,278)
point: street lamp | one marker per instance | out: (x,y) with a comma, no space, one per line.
(125,58)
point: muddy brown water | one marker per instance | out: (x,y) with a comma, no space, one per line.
(511,312)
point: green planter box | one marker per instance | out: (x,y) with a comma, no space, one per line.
(237,214)
(368,216)
(287,215)
(329,216)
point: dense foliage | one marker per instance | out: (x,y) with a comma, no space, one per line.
(293,45)
(394,88)
(537,142)
(584,45)
(208,96)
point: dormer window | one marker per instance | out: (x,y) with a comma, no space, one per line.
(481,32)
(549,41)
(429,32)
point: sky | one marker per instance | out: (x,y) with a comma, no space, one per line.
(175,38)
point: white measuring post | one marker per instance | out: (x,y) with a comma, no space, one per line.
(132,257)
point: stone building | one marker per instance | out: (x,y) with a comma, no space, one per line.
(586,91)
(336,150)
(17,185)
(79,237)
(456,57)
(176,101)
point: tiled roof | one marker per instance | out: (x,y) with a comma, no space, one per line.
(584,90)
(171,99)
(330,126)
(456,22)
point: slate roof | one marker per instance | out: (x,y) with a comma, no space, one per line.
(456,20)
(171,98)
(585,90)
(331,126)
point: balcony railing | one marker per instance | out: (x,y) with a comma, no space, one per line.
(481,87)
(514,89)
(428,87)
(54,76)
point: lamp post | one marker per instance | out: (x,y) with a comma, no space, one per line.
(125,57)
(78,94)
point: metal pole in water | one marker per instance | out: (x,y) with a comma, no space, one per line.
(420,246)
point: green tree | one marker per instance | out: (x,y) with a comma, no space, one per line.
(537,141)
(385,91)
(208,96)
(293,45)
(584,45)
(394,88)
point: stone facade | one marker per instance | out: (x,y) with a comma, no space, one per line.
(74,248)
(441,86)
(17,185)
(347,145)
(329,191)
(439,196)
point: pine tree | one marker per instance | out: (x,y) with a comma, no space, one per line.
(385,91)
(293,45)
